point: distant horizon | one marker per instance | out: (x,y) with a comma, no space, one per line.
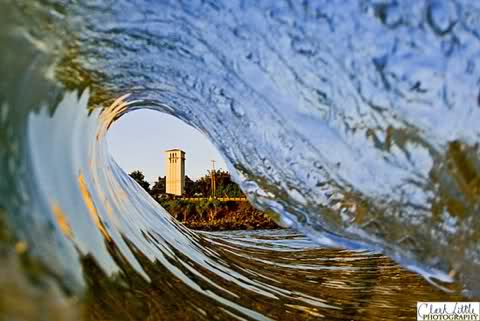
(139,140)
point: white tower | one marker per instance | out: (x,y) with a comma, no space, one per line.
(175,171)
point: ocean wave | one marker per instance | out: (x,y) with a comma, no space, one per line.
(354,121)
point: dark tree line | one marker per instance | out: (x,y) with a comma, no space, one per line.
(140,179)
(201,187)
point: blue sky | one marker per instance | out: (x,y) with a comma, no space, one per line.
(138,141)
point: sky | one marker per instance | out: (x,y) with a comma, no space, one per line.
(139,139)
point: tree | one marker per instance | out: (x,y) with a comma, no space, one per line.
(159,187)
(189,186)
(140,179)
(224,185)
(202,186)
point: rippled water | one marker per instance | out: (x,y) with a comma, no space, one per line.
(355,121)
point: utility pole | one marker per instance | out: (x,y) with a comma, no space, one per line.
(212,179)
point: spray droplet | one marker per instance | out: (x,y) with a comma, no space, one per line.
(441,16)
(237,110)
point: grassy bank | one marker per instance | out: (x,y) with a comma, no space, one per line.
(213,215)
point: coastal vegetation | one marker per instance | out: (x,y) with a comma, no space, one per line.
(202,209)
(215,215)
(201,187)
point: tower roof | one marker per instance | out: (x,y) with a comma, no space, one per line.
(175,150)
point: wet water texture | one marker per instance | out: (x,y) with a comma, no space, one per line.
(356,122)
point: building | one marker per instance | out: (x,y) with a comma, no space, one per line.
(175,171)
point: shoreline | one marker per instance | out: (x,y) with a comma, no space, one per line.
(215,215)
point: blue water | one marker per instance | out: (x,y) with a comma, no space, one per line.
(354,121)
